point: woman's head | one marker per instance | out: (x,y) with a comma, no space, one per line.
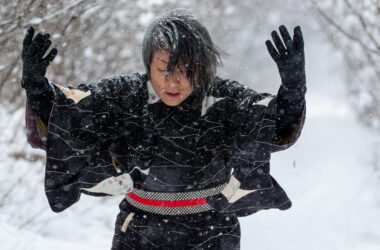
(178,49)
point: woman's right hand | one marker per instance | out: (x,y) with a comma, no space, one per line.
(34,64)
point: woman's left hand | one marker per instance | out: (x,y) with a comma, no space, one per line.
(289,56)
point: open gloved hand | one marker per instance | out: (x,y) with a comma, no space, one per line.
(34,62)
(289,56)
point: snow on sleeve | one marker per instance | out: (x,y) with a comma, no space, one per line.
(82,125)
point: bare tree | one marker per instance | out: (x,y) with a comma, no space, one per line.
(354,28)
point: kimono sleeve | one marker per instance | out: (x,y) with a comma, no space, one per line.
(252,110)
(251,188)
(82,124)
(259,120)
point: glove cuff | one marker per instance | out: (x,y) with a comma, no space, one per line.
(35,85)
(294,81)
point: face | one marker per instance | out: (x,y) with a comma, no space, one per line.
(172,88)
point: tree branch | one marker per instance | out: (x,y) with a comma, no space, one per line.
(363,24)
(341,30)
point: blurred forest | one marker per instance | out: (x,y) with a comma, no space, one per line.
(354,28)
(100,38)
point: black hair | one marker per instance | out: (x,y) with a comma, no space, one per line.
(189,44)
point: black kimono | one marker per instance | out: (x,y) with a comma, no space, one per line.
(187,172)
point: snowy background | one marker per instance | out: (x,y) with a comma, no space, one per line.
(332,174)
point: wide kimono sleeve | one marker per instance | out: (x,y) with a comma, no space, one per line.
(253,125)
(78,138)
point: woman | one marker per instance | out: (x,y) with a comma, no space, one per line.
(187,169)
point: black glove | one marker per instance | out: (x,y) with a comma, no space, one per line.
(290,60)
(289,57)
(34,64)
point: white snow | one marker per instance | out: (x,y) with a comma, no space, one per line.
(35,21)
(146,18)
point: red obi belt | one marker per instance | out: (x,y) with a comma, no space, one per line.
(172,203)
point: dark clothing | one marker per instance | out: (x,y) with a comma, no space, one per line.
(206,230)
(106,138)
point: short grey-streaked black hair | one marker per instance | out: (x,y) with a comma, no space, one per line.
(189,44)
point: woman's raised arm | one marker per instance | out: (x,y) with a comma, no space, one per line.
(76,126)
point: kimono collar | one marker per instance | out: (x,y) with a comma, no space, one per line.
(187,111)
(152,96)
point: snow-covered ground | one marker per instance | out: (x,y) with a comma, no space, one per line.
(328,175)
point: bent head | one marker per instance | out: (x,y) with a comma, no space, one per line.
(179,56)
